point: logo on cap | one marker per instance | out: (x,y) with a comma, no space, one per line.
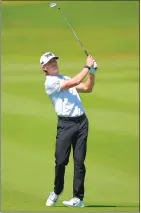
(48,55)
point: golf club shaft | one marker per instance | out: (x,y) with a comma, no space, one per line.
(73,32)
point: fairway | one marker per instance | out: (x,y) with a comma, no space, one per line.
(110,32)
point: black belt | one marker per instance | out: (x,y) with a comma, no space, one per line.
(78,118)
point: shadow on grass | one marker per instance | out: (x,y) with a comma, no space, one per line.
(100,206)
(104,206)
(92,206)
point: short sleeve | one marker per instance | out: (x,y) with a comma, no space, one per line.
(67,78)
(52,85)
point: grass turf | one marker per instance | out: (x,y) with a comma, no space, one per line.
(111,34)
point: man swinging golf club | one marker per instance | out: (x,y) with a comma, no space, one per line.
(72,128)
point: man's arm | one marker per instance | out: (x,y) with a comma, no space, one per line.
(86,87)
(66,84)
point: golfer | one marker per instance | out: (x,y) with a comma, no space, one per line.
(72,128)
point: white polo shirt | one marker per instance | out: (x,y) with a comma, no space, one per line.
(67,102)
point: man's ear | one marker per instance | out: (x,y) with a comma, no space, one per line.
(44,68)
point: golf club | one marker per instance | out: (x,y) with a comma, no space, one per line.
(54,5)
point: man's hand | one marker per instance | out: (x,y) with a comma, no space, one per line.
(93,69)
(95,65)
(90,61)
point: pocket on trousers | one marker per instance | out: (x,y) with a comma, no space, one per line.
(60,125)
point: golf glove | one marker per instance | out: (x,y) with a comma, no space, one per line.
(94,68)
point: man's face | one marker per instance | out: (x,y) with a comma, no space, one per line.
(51,67)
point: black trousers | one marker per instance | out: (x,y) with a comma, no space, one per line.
(71,132)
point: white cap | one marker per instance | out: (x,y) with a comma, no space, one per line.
(45,58)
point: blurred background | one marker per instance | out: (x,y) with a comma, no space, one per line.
(110,32)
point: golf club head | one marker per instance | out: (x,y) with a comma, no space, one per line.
(52,5)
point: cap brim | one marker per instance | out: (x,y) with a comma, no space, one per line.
(56,57)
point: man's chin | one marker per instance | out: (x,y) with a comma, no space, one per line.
(55,72)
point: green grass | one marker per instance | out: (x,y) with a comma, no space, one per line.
(110,32)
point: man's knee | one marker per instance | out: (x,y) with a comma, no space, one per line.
(61,161)
(79,162)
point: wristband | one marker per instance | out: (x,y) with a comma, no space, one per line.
(92,70)
(87,67)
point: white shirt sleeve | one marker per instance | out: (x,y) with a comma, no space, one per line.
(67,78)
(53,85)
